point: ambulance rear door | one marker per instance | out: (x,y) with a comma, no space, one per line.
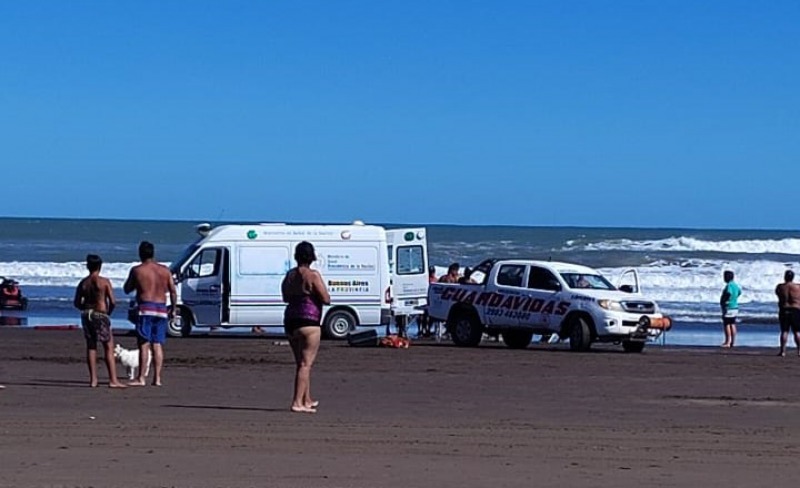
(408,264)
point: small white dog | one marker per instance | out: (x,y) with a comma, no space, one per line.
(130,359)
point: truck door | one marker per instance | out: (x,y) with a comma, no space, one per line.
(505,306)
(204,283)
(408,264)
(544,290)
(628,281)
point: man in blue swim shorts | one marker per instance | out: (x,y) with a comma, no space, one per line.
(152,281)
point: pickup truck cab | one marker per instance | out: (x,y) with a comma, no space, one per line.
(519,298)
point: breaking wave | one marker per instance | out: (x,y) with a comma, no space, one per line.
(60,274)
(747,246)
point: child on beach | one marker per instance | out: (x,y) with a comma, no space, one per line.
(94,297)
(729,302)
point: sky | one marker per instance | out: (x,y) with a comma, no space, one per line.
(593,113)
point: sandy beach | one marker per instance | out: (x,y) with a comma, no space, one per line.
(432,415)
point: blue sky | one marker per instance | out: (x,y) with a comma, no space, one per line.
(598,113)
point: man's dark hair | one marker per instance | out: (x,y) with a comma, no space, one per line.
(727,276)
(146,250)
(93,262)
(788,275)
(304,253)
(453,267)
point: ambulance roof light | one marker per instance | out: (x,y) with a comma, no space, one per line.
(203,229)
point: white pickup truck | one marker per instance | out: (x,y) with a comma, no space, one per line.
(519,298)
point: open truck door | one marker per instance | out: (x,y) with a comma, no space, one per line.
(628,281)
(408,265)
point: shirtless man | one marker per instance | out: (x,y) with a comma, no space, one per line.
(152,282)
(94,297)
(789,310)
(452,274)
(467,278)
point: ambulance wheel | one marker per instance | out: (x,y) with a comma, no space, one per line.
(465,329)
(580,335)
(181,326)
(633,346)
(517,339)
(338,324)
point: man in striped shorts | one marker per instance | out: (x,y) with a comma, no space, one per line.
(152,281)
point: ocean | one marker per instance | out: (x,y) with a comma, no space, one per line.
(680,268)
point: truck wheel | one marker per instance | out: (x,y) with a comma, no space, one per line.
(517,339)
(633,346)
(338,324)
(465,329)
(181,326)
(580,335)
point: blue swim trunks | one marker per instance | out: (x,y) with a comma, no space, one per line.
(152,329)
(153,321)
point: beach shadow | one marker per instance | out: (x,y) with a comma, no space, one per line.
(232,336)
(227,407)
(592,351)
(59,382)
(51,383)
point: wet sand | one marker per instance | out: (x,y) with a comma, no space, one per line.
(432,415)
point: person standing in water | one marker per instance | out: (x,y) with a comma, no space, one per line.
(94,297)
(729,302)
(788,294)
(304,293)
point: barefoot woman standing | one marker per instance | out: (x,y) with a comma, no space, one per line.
(305,293)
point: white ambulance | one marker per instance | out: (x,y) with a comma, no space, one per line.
(231,276)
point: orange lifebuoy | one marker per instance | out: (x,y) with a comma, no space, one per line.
(663,323)
(395,341)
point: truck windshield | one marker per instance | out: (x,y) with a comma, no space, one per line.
(583,280)
(175,267)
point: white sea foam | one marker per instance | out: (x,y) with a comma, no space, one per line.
(746,246)
(60,274)
(701,281)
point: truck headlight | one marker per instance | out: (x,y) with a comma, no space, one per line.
(610,305)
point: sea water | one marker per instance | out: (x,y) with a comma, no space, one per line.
(679,268)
